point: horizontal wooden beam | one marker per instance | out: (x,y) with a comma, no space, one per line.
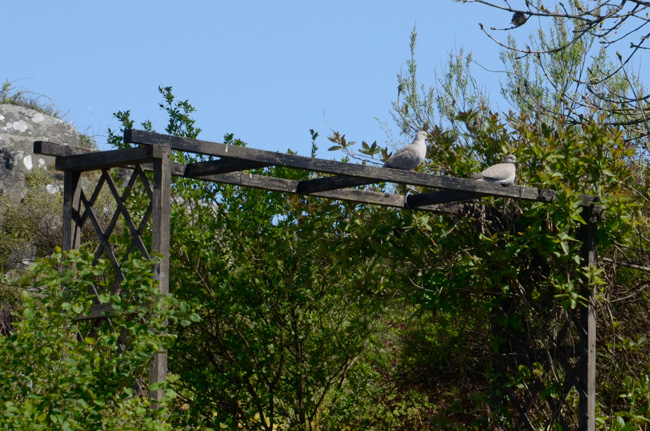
(106,159)
(331,183)
(376,174)
(48,148)
(222,166)
(262,182)
(439,197)
(425,201)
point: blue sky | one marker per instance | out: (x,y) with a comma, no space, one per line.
(266,71)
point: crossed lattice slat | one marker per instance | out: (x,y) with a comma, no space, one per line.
(104,235)
(558,353)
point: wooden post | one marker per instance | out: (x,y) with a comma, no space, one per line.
(160,244)
(587,350)
(71,206)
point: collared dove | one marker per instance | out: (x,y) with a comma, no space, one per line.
(501,173)
(410,156)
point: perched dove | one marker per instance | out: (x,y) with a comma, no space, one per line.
(501,173)
(411,156)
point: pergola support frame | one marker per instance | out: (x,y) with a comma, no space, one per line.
(153,153)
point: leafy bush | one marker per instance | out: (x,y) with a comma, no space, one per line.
(64,373)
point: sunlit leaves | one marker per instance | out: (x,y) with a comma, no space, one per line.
(58,372)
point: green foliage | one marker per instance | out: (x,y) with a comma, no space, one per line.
(59,372)
(503,279)
(32,227)
(283,317)
(314,314)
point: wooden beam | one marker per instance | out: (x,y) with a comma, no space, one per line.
(71,208)
(278,184)
(331,183)
(376,174)
(439,197)
(291,186)
(223,166)
(587,326)
(161,204)
(350,195)
(52,149)
(105,159)
(268,183)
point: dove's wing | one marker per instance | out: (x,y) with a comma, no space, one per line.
(410,156)
(502,173)
(404,158)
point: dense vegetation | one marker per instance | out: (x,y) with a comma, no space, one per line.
(302,313)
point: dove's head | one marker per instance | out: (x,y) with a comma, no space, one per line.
(511,159)
(421,135)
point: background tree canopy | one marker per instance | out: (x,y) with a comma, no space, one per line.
(317,314)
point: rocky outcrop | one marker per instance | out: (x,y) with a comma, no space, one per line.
(19,128)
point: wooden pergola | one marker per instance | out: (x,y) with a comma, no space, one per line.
(153,153)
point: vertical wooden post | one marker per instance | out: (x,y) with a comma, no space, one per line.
(587,350)
(160,244)
(71,206)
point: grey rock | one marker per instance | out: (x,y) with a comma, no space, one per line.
(19,128)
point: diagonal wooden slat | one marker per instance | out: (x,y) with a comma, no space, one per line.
(144,180)
(116,214)
(121,208)
(104,245)
(91,201)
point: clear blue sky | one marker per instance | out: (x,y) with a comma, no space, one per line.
(264,70)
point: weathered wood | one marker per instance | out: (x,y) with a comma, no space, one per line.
(268,183)
(424,180)
(348,195)
(71,208)
(223,166)
(587,325)
(331,183)
(161,204)
(439,197)
(136,232)
(52,149)
(375,174)
(105,159)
